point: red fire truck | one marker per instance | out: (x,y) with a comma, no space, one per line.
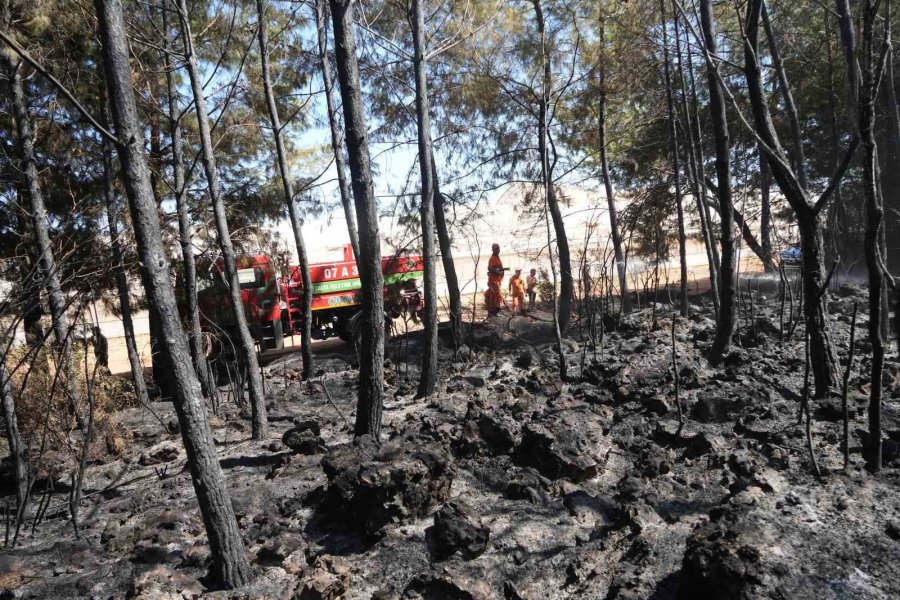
(273,304)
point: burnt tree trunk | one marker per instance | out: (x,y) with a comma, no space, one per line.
(371,363)
(30,189)
(765,214)
(428,377)
(188,264)
(614,228)
(244,342)
(118,261)
(725,323)
(547,165)
(288,190)
(336,145)
(446,245)
(695,167)
(676,167)
(807,209)
(230,567)
(17,451)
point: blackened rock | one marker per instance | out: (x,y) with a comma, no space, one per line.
(162,452)
(370,487)
(529,485)
(456,530)
(446,586)
(308,425)
(715,409)
(555,455)
(524,359)
(499,432)
(587,508)
(303,441)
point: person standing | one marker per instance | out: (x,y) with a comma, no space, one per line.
(531,287)
(494,294)
(517,291)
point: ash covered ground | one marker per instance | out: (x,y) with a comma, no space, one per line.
(508,483)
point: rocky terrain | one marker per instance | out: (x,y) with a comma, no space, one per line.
(508,483)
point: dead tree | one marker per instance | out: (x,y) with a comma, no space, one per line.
(428,377)
(287,188)
(336,144)
(245,345)
(725,323)
(230,567)
(371,363)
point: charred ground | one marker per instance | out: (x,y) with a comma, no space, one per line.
(508,483)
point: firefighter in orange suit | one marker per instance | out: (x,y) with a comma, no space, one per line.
(494,295)
(517,291)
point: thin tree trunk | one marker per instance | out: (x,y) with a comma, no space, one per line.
(799,158)
(547,165)
(336,145)
(245,344)
(446,246)
(188,264)
(615,231)
(428,377)
(695,168)
(17,452)
(371,364)
(32,192)
(808,211)
(868,75)
(288,190)
(725,324)
(676,167)
(765,215)
(701,171)
(230,567)
(112,210)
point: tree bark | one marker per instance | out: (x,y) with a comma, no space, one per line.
(695,169)
(112,211)
(793,118)
(188,263)
(17,451)
(371,364)
(867,75)
(676,167)
(428,377)
(230,567)
(725,324)
(615,230)
(288,190)
(30,189)
(446,246)
(245,344)
(809,221)
(336,144)
(765,215)
(566,286)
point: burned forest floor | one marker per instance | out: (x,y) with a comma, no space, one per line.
(508,483)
